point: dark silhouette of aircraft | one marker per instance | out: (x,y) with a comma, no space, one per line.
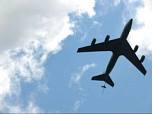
(118,47)
(103,86)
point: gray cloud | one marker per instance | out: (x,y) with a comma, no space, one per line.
(29,31)
(22,21)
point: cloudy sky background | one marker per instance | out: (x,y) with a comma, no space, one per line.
(41,71)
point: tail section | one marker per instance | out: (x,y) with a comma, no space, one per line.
(104,77)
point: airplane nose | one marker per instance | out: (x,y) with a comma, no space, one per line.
(131,21)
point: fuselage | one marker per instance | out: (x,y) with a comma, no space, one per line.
(120,45)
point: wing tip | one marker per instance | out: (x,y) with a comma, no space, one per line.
(145,72)
(78,50)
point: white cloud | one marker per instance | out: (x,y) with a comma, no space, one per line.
(29,31)
(43,88)
(142,34)
(22,21)
(75,78)
(21,65)
(4,82)
(77,105)
(30,108)
(116,2)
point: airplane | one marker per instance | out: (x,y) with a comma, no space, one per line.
(103,86)
(118,47)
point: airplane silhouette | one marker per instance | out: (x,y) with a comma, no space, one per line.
(103,86)
(118,47)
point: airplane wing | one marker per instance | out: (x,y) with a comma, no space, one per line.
(132,57)
(104,46)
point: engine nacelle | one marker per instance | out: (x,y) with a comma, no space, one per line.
(142,59)
(107,38)
(135,48)
(93,41)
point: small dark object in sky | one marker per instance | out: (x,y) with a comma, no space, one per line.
(118,47)
(103,86)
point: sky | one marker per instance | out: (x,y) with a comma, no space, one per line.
(41,70)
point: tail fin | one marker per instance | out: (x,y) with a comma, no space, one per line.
(105,78)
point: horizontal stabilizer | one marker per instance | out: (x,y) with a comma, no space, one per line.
(105,78)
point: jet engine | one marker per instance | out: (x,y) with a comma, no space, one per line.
(135,48)
(142,59)
(93,41)
(107,38)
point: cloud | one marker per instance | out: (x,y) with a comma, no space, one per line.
(77,105)
(141,31)
(30,108)
(76,77)
(141,35)
(21,65)
(75,80)
(24,21)
(29,31)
